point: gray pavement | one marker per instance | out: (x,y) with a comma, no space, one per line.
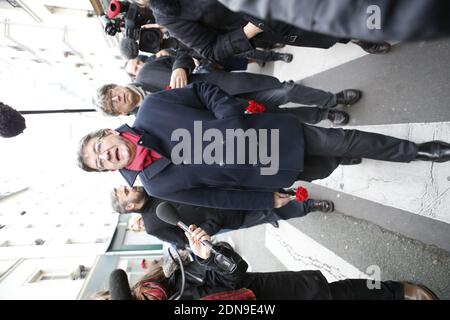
(409,85)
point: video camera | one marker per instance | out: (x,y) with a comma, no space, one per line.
(132,18)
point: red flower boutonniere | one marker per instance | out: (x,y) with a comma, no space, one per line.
(301,194)
(168,87)
(254,107)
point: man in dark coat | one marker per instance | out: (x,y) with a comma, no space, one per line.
(400,20)
(155,75)
(134,199)
(197,146)
(217,33)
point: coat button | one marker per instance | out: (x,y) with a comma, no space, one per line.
(260,25)
(140,142)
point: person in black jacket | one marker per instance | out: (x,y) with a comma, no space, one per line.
(156,74)
(134,199)
(206,279)
(400,20)
(217,33)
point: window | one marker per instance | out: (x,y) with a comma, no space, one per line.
(49,275)
(86,241)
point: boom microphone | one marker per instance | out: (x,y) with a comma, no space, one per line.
(119,286)
(129,48)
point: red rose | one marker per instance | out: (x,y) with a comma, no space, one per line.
(254,107)
(168,87)
(301,195)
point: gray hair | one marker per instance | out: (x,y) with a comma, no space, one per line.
(83,142)
(99,98)
(120,207)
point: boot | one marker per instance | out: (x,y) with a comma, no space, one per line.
(348,97)
(437,151)
(418,292)
(373,48)
(322,205)
(338,117)
(286,57)
(350,161)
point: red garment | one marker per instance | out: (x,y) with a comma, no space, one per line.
(144,157)
(239,294)
(154,291)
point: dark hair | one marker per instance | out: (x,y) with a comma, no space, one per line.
(12,123)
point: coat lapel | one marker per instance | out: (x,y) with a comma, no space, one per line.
(150,142)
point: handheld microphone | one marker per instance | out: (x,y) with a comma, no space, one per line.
(167,213)
(119,286)
(129,48)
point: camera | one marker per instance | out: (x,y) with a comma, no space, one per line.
(111,27)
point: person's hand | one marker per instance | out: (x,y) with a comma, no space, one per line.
(162,53)
(280,199)
(178,78)
(197,247)
(251,30)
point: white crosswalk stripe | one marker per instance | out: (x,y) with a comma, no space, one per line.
(297,252)
(418,187)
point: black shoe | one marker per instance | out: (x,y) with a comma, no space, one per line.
(322,205)
(437,151)
(338,117)
(373,48)
(415,291)
(348,97)
(286,57)
(275,224)
(350,161)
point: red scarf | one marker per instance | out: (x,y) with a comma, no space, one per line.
(154,291)
(144,157)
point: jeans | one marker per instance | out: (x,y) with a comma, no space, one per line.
(296,93)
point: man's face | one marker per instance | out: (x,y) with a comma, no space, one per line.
(130,195)
(109,152)
(120,100)
(134,66)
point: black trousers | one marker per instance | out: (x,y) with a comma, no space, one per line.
(357,144)
(324,149)
(357,289)
(293,209)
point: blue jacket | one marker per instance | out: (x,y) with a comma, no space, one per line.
(218,185)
